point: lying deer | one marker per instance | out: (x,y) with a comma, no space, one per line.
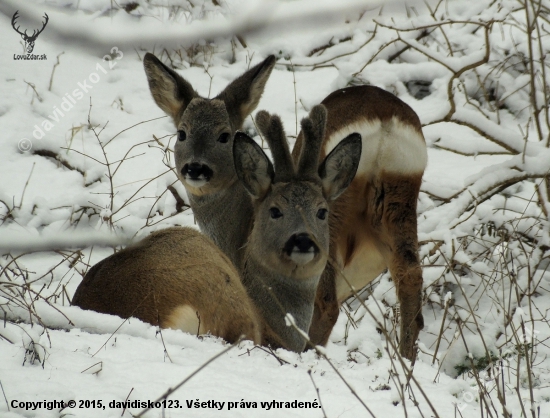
(178,278)
(171,279)
(373,225)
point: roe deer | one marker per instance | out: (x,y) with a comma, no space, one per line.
(203,151)
(177,278)
(373,224)
(174,278)
(288,244)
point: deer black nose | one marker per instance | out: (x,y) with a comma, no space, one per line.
(301,243)
(196,171)
(193,170)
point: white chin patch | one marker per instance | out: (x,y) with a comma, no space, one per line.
(198,183)
(301,258)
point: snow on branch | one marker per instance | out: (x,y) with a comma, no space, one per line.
(255,16)
(17,242)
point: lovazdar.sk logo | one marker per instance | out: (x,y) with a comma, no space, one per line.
(29,39)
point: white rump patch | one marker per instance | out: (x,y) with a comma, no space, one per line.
(184,317)
(391,146)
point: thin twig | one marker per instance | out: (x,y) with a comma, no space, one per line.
(125,401)
(5,397)
(170,391)
(53,70)
(318,393)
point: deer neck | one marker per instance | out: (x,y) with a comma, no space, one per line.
(226,218)
(274,296)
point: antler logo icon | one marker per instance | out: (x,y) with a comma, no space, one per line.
(29,40)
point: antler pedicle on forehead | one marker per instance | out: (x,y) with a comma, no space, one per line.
(274,133)
(313,129)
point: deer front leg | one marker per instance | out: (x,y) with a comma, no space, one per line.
(326,309)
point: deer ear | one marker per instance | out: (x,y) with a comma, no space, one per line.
(253,168)
(243,94)
(170,91)
(339,167)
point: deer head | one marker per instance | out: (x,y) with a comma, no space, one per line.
(29,40)
(288,245)
(206,127)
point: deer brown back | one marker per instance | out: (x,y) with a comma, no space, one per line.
(174,278)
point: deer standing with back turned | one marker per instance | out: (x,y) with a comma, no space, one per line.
(372,225)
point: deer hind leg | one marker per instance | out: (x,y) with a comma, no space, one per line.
(395,203)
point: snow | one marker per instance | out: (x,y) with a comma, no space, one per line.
(86,166)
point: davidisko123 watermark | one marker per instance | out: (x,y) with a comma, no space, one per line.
(29,39)
(69,100)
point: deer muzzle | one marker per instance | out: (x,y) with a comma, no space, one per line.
(196,174)
(301,249)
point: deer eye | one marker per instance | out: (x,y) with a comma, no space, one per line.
(182,136)
(275,213)
(223,138)
(322,214)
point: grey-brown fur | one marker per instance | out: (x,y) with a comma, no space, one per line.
(273,132)
(172,268)
(285,255)
(220,204)
(178,268)
(378,211)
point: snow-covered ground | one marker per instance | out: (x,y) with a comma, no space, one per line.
(69,121)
